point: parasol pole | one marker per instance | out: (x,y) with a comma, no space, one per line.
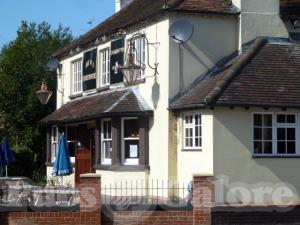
(6,171)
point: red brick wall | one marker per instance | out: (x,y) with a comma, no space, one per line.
(89,214)
(203,200)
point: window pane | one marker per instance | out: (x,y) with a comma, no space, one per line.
(258,147)
(281,147)
(268,147)
(291,147)
(291,119)
(267,133)
(281,133)
(268,120)
(257,133)
(257,120)
(131,128)
(281,118)
(291,133)
(131,149)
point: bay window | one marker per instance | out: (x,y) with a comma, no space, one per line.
(275,134)
(106,141)
(130,141)
(192,131)
(77,76)
(54,142)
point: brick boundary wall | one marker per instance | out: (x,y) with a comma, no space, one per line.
(203,201)
(89,214)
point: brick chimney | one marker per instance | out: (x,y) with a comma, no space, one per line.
(259,18)
(119,4)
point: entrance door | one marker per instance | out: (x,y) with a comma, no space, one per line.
(84,152)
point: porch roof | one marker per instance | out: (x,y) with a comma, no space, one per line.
(266,75)
(117,102)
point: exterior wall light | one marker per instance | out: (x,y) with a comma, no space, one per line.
(131,70)
(44,94)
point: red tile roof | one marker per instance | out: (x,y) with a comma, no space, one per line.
(140,11)
(266,75)
(118,102)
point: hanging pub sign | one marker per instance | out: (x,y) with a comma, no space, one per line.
(89,70)
(117,59)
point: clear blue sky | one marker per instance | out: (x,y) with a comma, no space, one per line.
(70,13)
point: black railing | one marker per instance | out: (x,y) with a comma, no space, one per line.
(142,194)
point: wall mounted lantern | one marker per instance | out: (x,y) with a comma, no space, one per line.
(132,70)
(44,94)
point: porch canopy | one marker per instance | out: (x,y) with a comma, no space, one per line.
(111,103)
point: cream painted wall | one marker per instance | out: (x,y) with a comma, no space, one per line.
(196,162)
(214,38)
(259,18)
(233,158)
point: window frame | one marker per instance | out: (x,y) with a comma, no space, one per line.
(73,76)
(128,161)
(54,142)
(101,63)
(184,127)
(141,57)
(275,126)
(104,160)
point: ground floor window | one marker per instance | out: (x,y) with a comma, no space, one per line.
(192,131)
(130,141)
(275,134)
(106,141)
(54,142)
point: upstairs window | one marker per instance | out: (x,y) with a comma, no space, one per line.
(104,67)
(77,76)
(192,130)
(140,53)
(275,134)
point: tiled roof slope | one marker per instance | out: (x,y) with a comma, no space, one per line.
(265,75)
(141,10)
(290,9)
(109,103)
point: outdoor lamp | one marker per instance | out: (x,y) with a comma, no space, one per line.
(44,94)
(130,70)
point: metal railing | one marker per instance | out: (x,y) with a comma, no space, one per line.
(129,194)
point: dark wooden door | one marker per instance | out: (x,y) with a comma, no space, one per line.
(84,153)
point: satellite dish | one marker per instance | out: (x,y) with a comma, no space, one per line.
(53,64)
(181,31)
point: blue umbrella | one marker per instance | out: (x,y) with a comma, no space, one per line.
(2,160)
(8,155)
(62,165)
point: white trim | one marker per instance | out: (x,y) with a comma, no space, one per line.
(193,126)
(105,160)
(124,160)
(54,142)
(79,74)
(275,126)
(100,67)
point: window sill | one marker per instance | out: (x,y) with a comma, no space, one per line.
(191,150)
(275,156)
(122,168)
(103,88)
(75,96)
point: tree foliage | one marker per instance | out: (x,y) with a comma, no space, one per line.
(22,68)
